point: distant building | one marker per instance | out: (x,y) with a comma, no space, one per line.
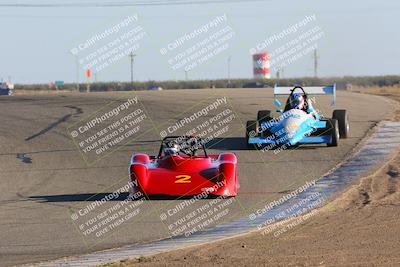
(7,85)
(154,88)
(6,88)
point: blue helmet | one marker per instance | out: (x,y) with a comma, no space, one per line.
(297,101)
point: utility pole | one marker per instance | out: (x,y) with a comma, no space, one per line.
(186,75)
(88,75)
(229,70)
(132,56)
(77,73)
(315,63)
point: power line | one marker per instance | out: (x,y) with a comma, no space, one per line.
(128,3)
(85,17)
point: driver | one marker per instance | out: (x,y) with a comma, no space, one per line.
(298,101)
(171,150)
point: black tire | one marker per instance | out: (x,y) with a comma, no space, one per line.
(343,120)
(263,116)
(333,129)
(251,130)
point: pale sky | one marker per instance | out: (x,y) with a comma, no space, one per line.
(360,37)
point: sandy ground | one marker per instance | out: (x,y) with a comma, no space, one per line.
(360,228)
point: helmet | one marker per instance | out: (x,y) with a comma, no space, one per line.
(297,101)
(171,149)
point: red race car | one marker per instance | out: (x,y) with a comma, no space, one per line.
(180,170)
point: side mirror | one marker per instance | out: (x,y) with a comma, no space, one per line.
(277,103)
(279,110)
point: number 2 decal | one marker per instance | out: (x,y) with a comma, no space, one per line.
(183,179)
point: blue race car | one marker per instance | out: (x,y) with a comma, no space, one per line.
(298,123)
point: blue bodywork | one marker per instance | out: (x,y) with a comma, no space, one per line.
(276,133)
(295,126)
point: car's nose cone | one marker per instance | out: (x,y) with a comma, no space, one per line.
(292,123)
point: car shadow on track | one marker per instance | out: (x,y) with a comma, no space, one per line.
(91,197)
(239,143)
(88,197)
(228,143)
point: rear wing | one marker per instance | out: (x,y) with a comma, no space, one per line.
(310,90)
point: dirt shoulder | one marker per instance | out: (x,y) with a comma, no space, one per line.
(360,228)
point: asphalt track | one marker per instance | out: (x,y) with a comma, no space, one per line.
(43,174)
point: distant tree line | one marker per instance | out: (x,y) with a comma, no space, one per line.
(342,82)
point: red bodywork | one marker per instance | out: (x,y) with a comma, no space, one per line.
(185,175)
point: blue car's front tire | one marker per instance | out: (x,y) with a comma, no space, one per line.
(343,121)
(251,131)
(333,126)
